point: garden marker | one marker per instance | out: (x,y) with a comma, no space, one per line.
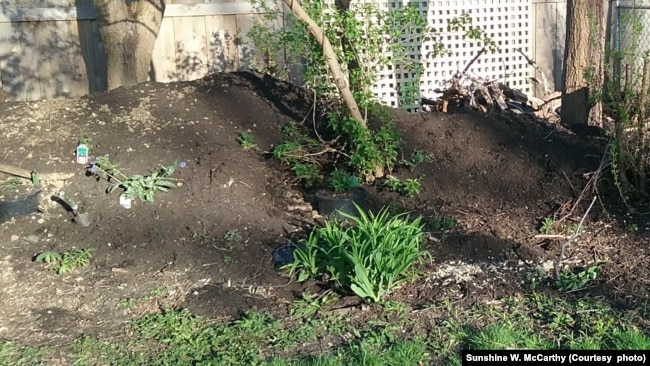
(125,201)
(82,154)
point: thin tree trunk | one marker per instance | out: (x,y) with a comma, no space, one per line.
(128,30)
(574,96)
(584,48)
(330,57)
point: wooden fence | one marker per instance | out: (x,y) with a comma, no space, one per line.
(52,48)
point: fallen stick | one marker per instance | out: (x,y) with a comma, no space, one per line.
(551,236)
(558,263)
(24,173)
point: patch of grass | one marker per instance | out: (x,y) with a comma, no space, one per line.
(502,336)
(12,354)
(392,335)
(11,184)
(68,261)
(628,339)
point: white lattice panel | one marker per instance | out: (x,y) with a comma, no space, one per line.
(507,22)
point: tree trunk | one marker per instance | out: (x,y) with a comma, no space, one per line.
(330,57)
(584,49)
(128,29)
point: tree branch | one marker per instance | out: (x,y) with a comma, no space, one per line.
(330,58)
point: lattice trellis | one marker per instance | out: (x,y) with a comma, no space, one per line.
(507,22)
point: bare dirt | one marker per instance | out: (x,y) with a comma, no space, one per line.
(499,176)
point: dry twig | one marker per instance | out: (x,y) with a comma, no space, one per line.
(558,262)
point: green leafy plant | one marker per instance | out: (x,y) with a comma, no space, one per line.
(68,261)
(307,173)
(232,236)
(571,281)
(227,259)
(142,187)
(371,256)
(246,141)
(393,183)
(547,226)
(342,181)
(418,157)
(411,187)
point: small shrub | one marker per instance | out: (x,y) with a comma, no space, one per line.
(307,173)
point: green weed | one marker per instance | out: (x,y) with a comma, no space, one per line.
(547,226)
(246,141)
(232,236)
(418,157)
(571,281)
(68,261)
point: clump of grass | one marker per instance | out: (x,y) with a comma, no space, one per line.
(371,257)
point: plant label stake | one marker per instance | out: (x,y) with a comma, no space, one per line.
(125,201)
(82,154)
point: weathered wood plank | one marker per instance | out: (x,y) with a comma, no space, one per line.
(164,53)
(55,69)
(191,48)
(79,65)
(22,75)
(100,76)
(222,51)
(8,58)
(32,14)
(209,9)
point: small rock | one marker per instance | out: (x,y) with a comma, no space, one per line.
(40,221)
(32,238)
(14,237)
